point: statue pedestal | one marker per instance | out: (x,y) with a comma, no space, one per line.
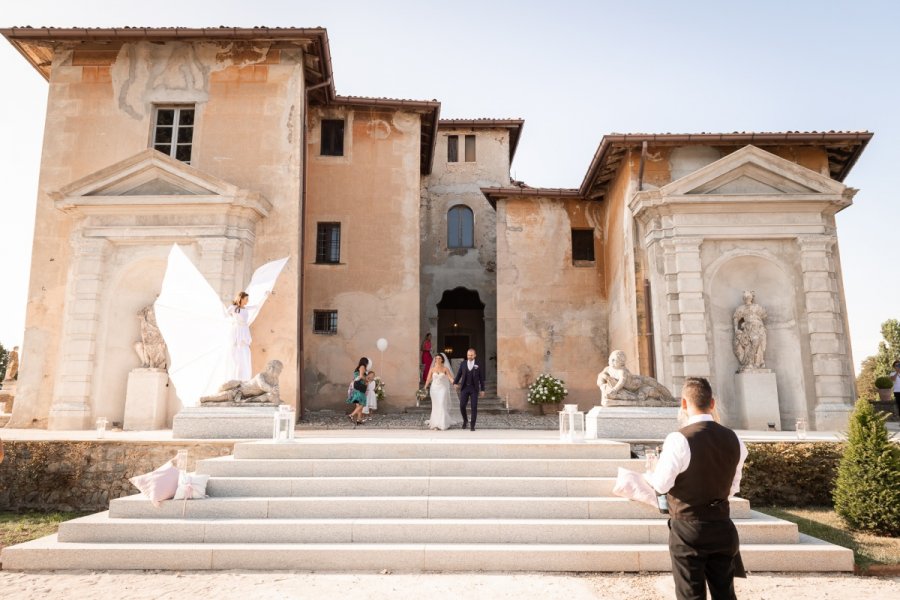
(7,396)
(145,400)
(832,417)
(631,422)
(225,422)
(758,395)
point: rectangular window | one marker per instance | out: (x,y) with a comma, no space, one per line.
(328,243)
(332,137)
(325,321)
(583,245)
(173,131)
(452,148)
(470,148)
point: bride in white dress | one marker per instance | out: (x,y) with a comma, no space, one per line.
(440,377)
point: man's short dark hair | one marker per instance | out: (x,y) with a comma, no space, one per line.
(697,392)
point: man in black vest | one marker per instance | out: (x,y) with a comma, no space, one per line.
(470,383)
(698,469)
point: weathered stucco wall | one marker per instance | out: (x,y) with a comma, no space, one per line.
(618,227)
(373,192)
(552,315)
(248,103)
(443,268)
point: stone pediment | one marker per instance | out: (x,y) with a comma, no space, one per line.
(751,171)
(152,179)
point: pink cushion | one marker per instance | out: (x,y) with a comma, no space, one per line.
(158,485)
(633,486)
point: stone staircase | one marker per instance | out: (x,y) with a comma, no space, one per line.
(490,404)
(405,504)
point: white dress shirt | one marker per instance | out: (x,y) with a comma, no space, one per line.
(471,364)
(676,456)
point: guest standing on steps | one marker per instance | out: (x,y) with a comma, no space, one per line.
(699,468)
(470,383)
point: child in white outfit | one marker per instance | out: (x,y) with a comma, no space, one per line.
(371,397)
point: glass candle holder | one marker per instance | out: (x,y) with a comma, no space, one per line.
(101,427)
(800,428)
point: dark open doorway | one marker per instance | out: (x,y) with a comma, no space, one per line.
(460,324)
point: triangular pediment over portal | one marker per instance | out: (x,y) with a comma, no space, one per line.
(752,171)
(150,178)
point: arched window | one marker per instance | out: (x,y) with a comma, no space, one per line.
(460,227)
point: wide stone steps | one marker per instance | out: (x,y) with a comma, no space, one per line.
(407,504)
(101,528)
(421,467)
(221,487)
(415,507)
(48,553)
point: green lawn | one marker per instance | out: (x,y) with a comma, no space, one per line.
(16,528)
(824,524)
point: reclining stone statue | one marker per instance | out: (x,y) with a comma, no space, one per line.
(261,390)
(619,387)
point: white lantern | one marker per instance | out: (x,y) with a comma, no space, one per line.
(283,426)
(101,427)
(571,426)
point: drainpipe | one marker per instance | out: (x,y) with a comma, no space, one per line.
(641,167)
(301,234)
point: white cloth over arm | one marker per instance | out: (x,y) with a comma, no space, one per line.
(196,328)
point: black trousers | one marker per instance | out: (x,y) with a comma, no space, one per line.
(704,553)
(897,400)
(465,394)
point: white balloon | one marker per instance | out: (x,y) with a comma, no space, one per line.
(382,344)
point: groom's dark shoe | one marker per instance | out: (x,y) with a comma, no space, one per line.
(465,425)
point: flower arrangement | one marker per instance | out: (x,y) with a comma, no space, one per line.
(379,388)
(547,389)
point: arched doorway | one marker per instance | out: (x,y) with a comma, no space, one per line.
(460,324)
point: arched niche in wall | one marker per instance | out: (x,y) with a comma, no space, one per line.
(775,291)
(134,285)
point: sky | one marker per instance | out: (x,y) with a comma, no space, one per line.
(574,71)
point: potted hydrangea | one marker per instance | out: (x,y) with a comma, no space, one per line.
(547,389)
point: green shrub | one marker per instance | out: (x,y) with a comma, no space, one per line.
(547,389)
(867,489)
(884,383)
(790,474)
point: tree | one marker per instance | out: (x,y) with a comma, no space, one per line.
(889,348)
(879,365)
(867,488)
(865,381)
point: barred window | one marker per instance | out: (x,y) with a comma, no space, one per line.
(328,243)
(173,131)
(325,321)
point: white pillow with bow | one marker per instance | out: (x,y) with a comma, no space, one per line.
(191,486)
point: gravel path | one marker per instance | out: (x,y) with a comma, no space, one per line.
(335,420)
(240,585)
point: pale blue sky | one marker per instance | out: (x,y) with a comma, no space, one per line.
(574,71)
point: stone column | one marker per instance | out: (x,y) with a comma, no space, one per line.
(71,407)
(831,367)
(686,341)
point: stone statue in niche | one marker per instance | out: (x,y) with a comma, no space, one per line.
(262,390)
(750,334)
(12,364)
(619,387)
(152,348)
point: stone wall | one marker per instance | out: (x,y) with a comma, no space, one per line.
(85,476)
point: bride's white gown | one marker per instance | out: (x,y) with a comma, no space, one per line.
(440,403)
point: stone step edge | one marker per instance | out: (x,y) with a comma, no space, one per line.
(809,555)
(298,499)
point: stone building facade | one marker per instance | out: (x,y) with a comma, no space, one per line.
(234,144)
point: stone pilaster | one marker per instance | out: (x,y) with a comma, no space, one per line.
(828,345)
(71,407)
(687,344)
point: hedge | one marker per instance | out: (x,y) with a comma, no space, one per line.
(790,473)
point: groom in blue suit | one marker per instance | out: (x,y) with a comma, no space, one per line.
(470,383)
